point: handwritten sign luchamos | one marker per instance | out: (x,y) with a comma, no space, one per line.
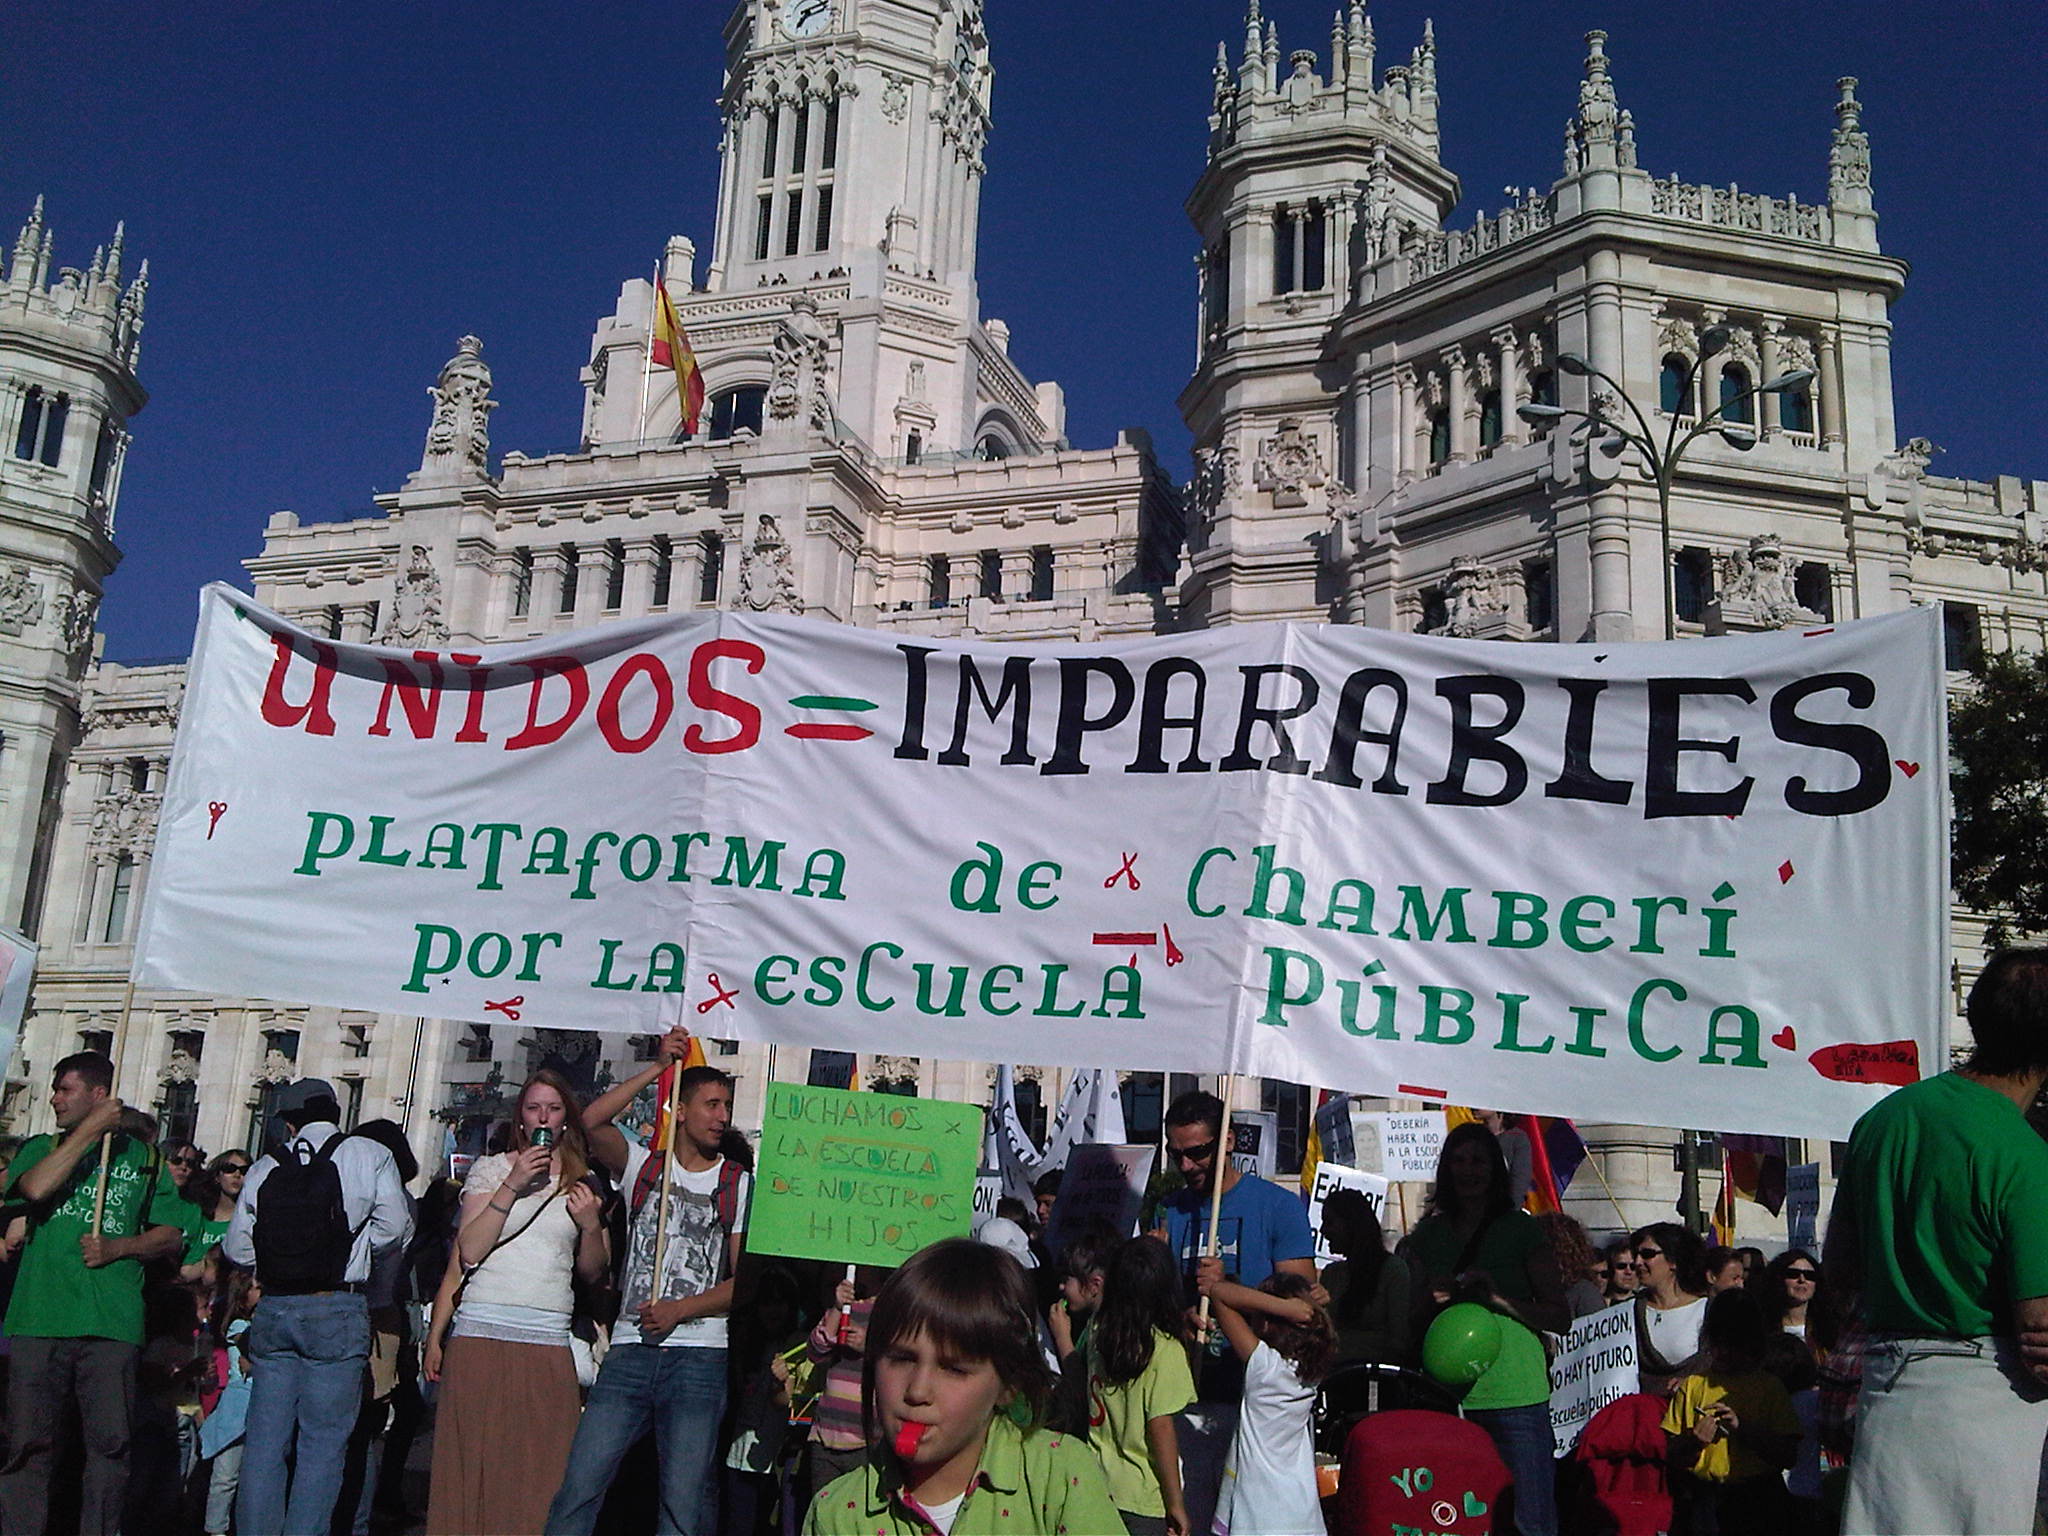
(861,1178)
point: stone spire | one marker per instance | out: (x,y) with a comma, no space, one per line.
(1339,59)
(459,440)
(27,246)
(1251,70)
(1849,155)
(1422,77)
(1597,125)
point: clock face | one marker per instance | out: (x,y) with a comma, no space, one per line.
(806,18)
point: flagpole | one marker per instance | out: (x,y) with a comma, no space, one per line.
(1220,1167)
(668,1163)
(99,1193)
(647,357)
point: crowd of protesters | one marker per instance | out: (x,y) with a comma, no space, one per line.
(222,1345)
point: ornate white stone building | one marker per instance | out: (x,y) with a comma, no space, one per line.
(872,455)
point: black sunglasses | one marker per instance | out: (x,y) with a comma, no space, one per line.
(1199,1154)
(1649,1253)
(1802,1274)
(234,1167)
(183,1162)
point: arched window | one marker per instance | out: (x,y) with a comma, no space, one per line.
(1795,409)
(40,437)
(1439,435)
(1543,387)
(31,430)
(991,448)
(1489,418)
(1674,386)
(732,409)
(1737,404)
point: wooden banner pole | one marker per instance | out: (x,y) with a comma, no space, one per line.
(99,1193)
(668,1163)
(1218,1169)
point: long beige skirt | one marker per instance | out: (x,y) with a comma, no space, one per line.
(502,1430)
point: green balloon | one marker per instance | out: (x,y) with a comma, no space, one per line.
(1462,1344)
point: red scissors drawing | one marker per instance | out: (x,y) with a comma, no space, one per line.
(719,994)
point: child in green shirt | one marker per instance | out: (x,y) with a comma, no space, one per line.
(1138,1379)
(952,1391)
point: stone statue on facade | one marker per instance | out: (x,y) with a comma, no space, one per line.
(767,578)
(802,358)
(21,600)
(1757,591)
(416,618)
(1474,597)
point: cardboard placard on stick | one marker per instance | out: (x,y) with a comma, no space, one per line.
(861,1178)
(1104,1184)
(1331,1177)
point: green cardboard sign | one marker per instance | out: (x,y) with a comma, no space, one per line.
(861,1178)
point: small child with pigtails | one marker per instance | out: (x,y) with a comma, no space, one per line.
(1287,1343)
(954,1389)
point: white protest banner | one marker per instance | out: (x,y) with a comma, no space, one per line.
(1595,1365)
(1331,1177)
(1802,1206)
(1101,1183)
(1581,879)
(1408,1142)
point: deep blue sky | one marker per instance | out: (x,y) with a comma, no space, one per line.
(330,195)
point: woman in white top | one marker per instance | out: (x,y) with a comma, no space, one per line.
(1671,1302)
(509,1400)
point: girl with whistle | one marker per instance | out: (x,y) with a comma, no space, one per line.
(952,1394)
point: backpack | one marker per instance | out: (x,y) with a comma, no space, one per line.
(302,1235)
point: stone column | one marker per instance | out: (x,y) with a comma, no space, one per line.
(640,561)
(544,602)
(503,572)
(1463,405)
(1607,525)
(1016,574)
(686,573)
(1769,418)
(1829,402)
(593,574)
(1405,462)
(1514,386)
(356,622)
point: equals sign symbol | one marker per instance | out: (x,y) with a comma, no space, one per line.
(817,730)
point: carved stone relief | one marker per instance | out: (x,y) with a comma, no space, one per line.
(416,618)
(1289,465)
(21,600)
(767,580)
(1755,590)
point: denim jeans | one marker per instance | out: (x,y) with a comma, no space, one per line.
(679,1393)
(308,1358)
(222,1480)
(1524,1440)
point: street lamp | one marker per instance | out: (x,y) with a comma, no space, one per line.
(1662,463)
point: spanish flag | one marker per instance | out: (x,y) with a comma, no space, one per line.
(664,1088)
(672,350)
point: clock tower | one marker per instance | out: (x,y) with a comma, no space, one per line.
(852,128)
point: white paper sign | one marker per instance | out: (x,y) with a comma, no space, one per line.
(1331,1177)
(1101,1184)
(1596,1365)
(1802,1206)
(1575,878)
(1408,1142)
(1254,1138)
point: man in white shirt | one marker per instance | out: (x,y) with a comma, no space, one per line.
(666,1367)
(309,1341)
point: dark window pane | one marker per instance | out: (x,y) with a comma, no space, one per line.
(1671,387)
(1692,584)
(1962,635)
(1737,404)
(1489,418)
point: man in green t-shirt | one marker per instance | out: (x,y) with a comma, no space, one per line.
(74,1324)
(1941,1221)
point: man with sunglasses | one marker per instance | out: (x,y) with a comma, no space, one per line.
(1939,1222)
(1261,1230)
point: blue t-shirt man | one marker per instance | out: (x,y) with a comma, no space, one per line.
(1260,1228)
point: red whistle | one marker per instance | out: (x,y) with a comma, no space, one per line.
(907,1438)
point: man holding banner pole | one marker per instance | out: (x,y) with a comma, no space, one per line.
(1256,1229)
(685,1213)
